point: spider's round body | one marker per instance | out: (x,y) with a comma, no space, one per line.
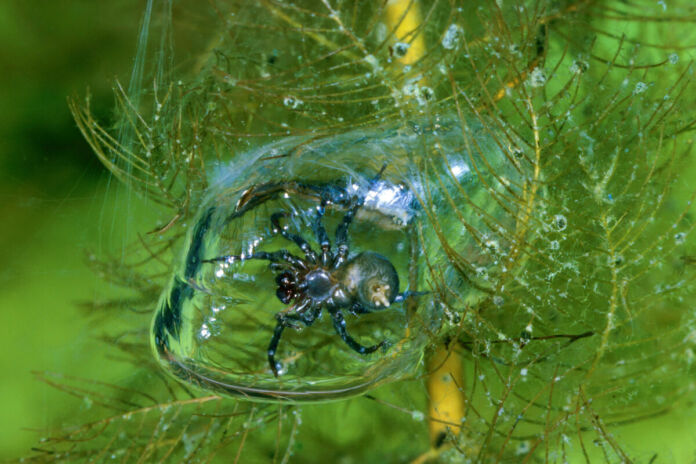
(368,279)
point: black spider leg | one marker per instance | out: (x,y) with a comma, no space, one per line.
(280,256)
(322,236)
(286,319)
(339,323)
(342,229)
(406,295)
(299,241)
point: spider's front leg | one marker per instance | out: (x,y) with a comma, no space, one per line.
(280,256)
(289,318)
(321,235)
(342,229)
(339,323)
(310,255)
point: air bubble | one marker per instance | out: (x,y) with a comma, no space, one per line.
(640,88)
(292,102)
(249,202)
(560,222)
(579,67)
(452,37)
(537,78)
(679,238)
(400,49)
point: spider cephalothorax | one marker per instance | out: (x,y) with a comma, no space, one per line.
(327,279)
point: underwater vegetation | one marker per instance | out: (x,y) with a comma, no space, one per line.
(397,231)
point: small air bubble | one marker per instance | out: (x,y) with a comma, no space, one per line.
(452,37)
(579,67)
(493,246)
(417,416)
(679,238)
(424,95)
(560,222)
(640,88)
(400,49)
(498,300)
(673,58)
(537,78)
(292,102)
(554,245)
(482,272)
(373,62)
(523,448)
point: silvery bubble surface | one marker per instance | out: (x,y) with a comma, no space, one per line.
(216,318)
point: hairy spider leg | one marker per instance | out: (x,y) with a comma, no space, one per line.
(339,323)
(286,319)
(322,236)
(279,256)
(299,241)
(342,229)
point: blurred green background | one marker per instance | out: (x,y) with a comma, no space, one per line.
(51,197)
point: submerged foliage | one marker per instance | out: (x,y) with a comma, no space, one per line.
(560,266)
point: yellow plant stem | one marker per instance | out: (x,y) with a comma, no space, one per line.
(403,19)
(446,400)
